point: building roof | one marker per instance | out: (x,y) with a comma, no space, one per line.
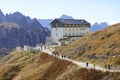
(71,21)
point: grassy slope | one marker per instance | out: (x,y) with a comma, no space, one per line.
(41,66)
(99,46)
(32,66)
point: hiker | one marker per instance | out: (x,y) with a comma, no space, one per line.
(105,66)
(86,64)
(62,56)
(108,66)
(45,47)
(57,54)
(53,53)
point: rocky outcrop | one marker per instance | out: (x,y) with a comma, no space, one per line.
(18,30)
(12,34)
(2,17)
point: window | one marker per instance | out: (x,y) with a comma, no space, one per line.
(76,25)
(69,25)
(76,34)
(73,25)
(82,28)
(73,34)
(65,25)
(80,33)
(69,34)
(65,34)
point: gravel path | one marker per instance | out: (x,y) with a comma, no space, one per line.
(81,64)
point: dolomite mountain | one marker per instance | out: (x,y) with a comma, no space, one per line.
(18,30)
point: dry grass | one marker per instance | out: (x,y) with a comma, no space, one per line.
(98,45)
(41,66)
(84,74)
(32,66)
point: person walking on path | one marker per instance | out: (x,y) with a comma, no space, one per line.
(86,64)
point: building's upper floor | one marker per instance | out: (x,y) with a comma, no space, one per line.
(69,23)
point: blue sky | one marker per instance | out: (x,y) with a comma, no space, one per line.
(90,10)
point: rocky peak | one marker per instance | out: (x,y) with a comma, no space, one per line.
(35,24)
(23,22)
(18,30)
(17,15)
(98,26)
(2,16)
(66,17)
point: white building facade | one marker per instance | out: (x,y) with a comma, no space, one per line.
(61,28)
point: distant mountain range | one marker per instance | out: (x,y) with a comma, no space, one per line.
(18,30)
(96,26)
